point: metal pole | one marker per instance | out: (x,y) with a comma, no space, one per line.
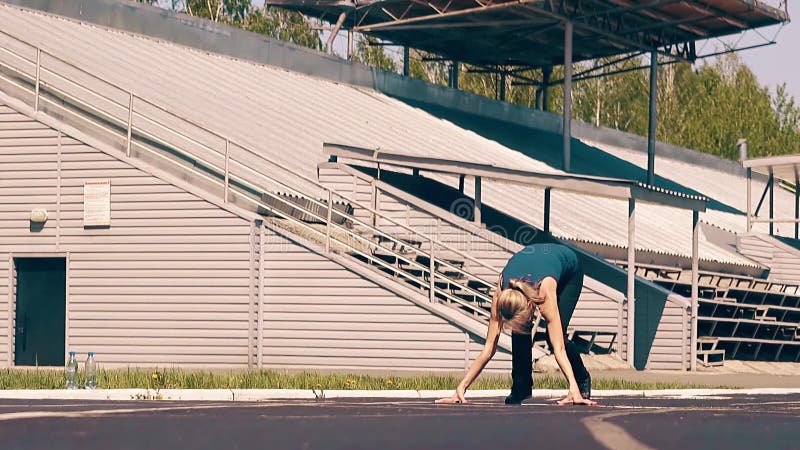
(538,98)
(796,203)
(695,268)
(546,211)
(130,125)
(477,213)
(454,75)
(261,272)
(227,176)
(503,86)
(771,203)
(406,61)
(328,223)
(749,199)
(334,33)
(546,72)
(761,199)
(38,72)
(631,297)
(651,136)
(567,120)
(432,268)
(350,45)
(684,344)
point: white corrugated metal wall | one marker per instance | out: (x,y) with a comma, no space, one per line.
(782,260)
(319,315)
(166,284)
(169,283)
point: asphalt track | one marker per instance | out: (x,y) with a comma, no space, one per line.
(733,422)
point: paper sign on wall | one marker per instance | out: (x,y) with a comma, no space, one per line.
(97,203)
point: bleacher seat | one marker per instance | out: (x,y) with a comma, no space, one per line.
(739,317)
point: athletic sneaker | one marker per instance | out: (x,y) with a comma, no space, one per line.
(516,398)
(585,387)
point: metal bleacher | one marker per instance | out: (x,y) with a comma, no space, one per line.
(739,317)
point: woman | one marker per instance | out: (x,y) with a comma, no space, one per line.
(544,276)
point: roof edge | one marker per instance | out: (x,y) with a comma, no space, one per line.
(222,39)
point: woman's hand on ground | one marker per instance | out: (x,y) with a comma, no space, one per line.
(456,398)
(576,399)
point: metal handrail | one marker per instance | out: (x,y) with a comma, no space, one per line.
(220,136)
(129,125)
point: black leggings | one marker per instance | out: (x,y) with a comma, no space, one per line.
(522,344)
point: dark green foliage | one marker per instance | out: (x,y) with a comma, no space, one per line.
(367,52)
(273,22)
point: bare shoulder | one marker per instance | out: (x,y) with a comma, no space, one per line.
(549,284)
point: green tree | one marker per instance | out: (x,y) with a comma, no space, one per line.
(369,51)
(274,22)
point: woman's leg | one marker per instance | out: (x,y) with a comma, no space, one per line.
(521,367)
(567,299)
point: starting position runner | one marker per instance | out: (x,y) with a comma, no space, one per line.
(544,276)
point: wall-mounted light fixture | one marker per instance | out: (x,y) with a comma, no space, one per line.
(39,215)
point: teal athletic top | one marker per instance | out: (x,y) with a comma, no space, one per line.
(539,261)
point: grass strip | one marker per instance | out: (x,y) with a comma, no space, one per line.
(269,379)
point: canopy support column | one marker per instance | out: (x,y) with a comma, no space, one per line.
(406,62)
(749,199)
(771,204)
(796,204)
(454,75)
(695,283)
(631,279)
(567,120)
(546,72)
(477,213)
(651,136)
(503,86)
(547,211)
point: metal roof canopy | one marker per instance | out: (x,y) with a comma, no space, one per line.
(530,33)
(786,168)
(596,186)
(545,33)
(617,188)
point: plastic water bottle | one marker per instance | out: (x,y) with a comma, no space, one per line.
(71,372)
(91,372)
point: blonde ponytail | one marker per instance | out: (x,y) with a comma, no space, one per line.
(530,292)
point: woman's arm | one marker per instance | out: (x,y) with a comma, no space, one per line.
(475,369)
(549,310)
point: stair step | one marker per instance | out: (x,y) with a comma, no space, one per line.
(398,244)
(453,275)
(390,259)
(478,286)
(426,260)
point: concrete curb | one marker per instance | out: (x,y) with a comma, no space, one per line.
(256,395)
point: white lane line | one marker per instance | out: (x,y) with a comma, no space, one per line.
(612,436)
(100,412)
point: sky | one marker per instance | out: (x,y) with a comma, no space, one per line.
(779,63)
